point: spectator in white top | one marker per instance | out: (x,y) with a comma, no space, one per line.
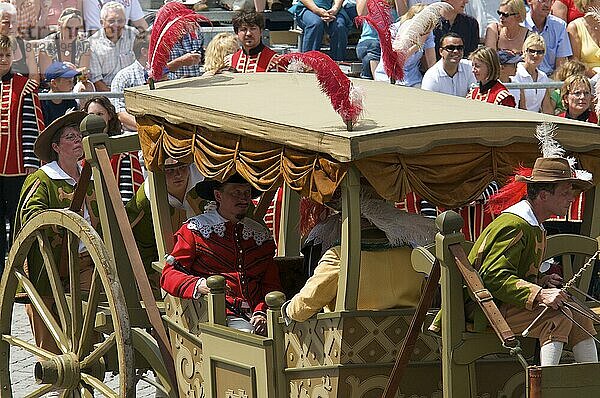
(92,14)
(451,74)
(111,46)
(554,32)
(535,100)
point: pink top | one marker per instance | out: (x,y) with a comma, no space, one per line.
(56,7)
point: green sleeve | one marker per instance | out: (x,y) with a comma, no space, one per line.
(35,197)
(140,217)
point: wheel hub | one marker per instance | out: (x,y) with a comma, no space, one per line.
(62,371)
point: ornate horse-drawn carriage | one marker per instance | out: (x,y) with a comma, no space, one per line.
(445,149)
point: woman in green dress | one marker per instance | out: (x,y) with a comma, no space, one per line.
(52,186)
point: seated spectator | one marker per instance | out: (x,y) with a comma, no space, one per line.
(508,65)
(254,56)
(184,204)
(568,68)
(583,35)
(554,32)
(486,68)
(133,75)
(424,54)
(220,48)
(368,48)
(451,74)
(23,53)
(92,14)
(31,19)
(111,46)
(316,17)
(509,34)
(66,45)
(577,97)
(535,100)
(456,21)
(224,241)
(387,279)
(17,137)
(566,10)
(126,166)
(186,57)
(60,76)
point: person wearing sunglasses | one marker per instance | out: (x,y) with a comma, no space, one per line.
(535,100)
(459,22)
(577,97)
(583,34)
(452,73)
(554,32)
(486,68)
(508,34)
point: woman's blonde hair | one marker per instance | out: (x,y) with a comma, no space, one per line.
(534,39)
(582,5)
(220,46)
(489,57)
(571,82)
(569,68)
(412,11)
(517,6)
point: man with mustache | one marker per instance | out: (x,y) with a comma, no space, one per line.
(224,241)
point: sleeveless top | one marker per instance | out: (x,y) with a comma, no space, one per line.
(20,66)
(512,50)
(590,52)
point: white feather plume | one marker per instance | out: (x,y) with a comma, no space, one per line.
(411,31)
(549,147)
(583,175)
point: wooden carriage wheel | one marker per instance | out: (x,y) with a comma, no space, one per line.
(80,368)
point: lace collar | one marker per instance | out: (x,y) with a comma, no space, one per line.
(212,222)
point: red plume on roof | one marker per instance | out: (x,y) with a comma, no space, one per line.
(511,193)
(380,18)
(344,97)
(173,21)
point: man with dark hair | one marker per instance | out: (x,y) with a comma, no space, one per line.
(451,74)
(458,22)
(509,254)
(225,241)
(254,56)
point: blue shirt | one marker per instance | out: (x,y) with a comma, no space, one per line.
(556,38)
(368,33)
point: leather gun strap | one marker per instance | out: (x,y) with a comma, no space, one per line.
(481,295)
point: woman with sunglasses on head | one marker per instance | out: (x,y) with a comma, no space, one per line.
(535,100)
(486,68)
(508,34)
(577,97)
(584,35)
(126,166)
(66,45)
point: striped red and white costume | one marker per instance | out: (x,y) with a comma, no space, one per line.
(242,252)
(128,172)
(259,59)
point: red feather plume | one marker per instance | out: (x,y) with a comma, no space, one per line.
(344,97)
(173,21)
(510,194)
(380,18)
(311,214)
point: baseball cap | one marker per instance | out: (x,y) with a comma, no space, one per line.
(506,57)
(60,69)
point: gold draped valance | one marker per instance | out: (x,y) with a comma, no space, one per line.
(448,176)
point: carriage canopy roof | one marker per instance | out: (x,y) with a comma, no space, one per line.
(275,126)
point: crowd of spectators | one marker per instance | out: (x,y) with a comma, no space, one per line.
(100,46)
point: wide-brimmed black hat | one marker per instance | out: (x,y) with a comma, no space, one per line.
(206,189)
(43,144)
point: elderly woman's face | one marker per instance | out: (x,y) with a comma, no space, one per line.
(69,146)
(7,23)
(96,109)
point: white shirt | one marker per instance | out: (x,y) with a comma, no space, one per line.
(91,12)
(436,79)
(533,97)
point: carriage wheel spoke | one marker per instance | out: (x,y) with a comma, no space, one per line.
(46,388)
(75,288)
(99,386)
(44,313)
(56,285)
(90,314)
(99,351)
(32,348)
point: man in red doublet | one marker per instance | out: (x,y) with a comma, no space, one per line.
(20,123)
(254,56)
(224,241)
